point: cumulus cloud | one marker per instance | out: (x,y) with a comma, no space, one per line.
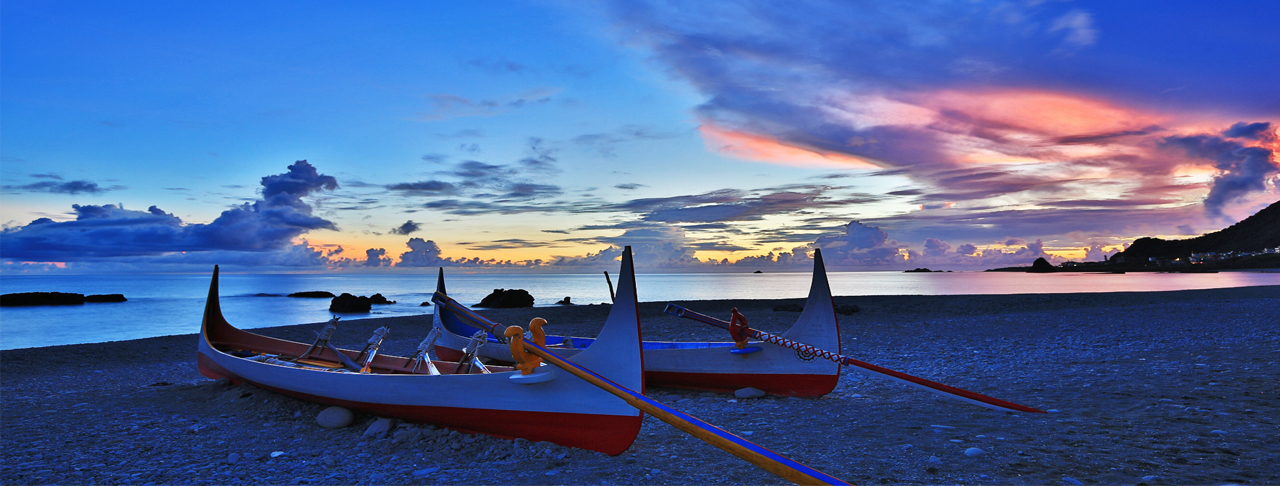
(376,257)
(268,224)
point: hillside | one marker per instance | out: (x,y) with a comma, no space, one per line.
(1262,230)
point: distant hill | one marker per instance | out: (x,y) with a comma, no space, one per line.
(1262,230)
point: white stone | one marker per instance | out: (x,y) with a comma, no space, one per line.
(749,392)
(379,428)
(334,418)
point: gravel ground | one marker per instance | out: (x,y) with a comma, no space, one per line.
(1156,388)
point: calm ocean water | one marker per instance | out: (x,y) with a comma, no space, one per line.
(161,305)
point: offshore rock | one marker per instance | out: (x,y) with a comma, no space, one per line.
(350,303)
(41,298)
(507,299)
(105,298)
(315,294)
(1041,266)
(379,299)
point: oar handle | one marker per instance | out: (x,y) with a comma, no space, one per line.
(932,386)
(763,458)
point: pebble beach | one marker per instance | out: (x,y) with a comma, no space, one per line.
(1141,388)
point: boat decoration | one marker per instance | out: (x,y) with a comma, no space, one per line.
(714,366)
(464,395)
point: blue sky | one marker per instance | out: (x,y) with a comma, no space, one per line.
(719,136)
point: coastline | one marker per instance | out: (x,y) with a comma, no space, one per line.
(1177,385)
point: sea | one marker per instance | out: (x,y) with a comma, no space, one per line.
(168,304)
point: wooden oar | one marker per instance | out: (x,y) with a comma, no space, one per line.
(763,458)
(935,387)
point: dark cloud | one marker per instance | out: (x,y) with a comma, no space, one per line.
(268,224)
(69,187)
(406,228)
(423,188)
(435,158)
(630,186)
(1242,169)
(1252,131)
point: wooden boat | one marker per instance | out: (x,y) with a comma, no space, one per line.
(715,366)
(555,406)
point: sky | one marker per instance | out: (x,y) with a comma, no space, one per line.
(546,135)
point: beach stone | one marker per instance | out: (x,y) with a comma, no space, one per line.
(379,428)
(277,454)
(1072,481)
(407,435)
(233,458)
(974,452)
(749,392)
(334,418)
(935,460)
(1150,479)
(423,472)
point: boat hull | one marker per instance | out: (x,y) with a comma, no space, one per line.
(566,410)
(776,370)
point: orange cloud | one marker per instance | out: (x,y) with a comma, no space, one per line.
(760,148)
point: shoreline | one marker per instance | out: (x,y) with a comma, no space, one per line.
(1176,384)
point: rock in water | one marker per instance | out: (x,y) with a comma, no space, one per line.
(105,298)
(1041,266)
(379,299)
(749,392)
(507,299)
(565,301)
(350,303)
(315,294)
(41,298)
(334,418)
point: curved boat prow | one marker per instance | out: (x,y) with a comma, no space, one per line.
(616,353)
(817,325)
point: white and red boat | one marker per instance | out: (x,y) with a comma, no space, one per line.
(715,366)
(548,405)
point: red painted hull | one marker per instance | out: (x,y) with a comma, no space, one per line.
(782,385)
(561,428)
